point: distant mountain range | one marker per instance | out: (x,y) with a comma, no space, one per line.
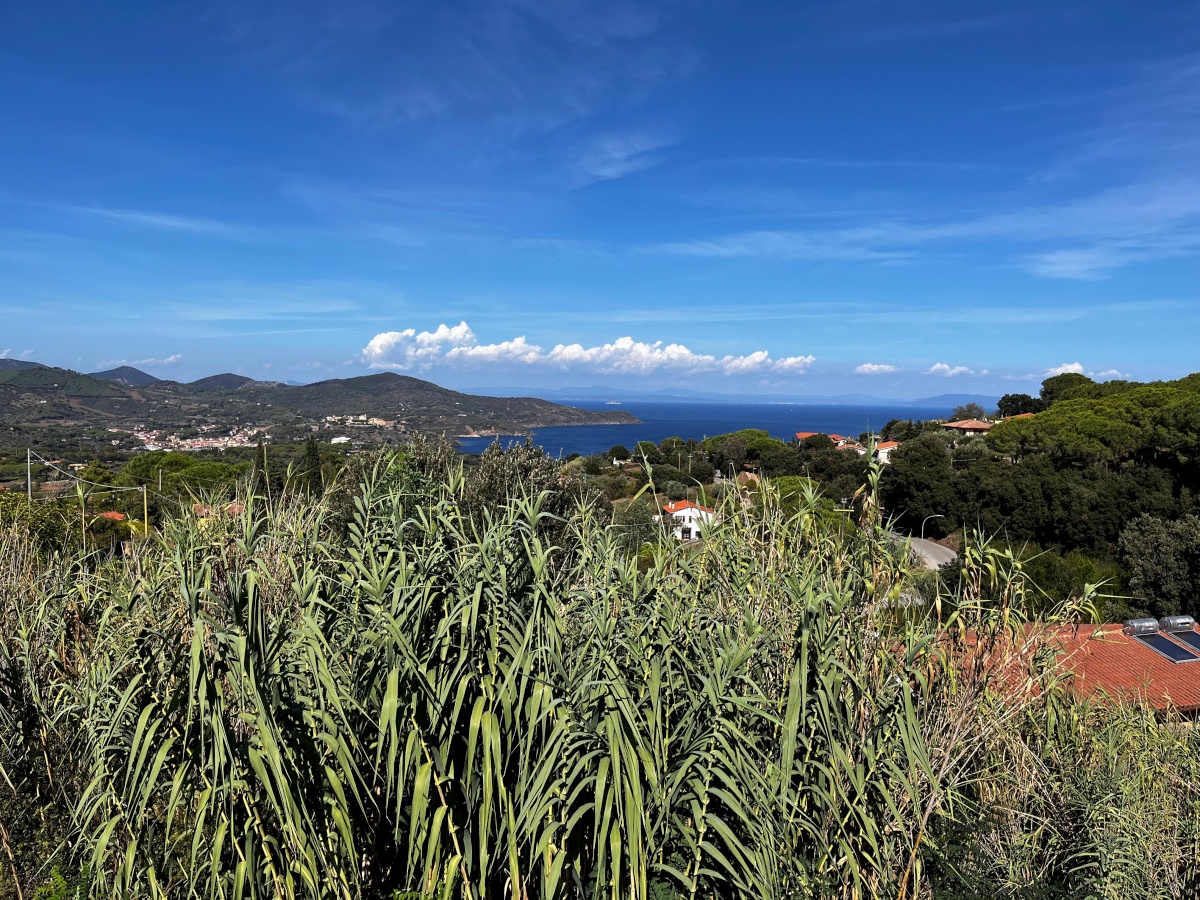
(684,395)
(38,395)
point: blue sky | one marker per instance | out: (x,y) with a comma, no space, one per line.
(898,199)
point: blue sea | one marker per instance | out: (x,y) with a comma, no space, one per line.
(700,420)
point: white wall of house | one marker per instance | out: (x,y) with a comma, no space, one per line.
(688,524)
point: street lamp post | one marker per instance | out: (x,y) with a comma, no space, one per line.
(926,519)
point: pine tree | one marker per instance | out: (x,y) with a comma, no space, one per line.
(312,465)
(260,475)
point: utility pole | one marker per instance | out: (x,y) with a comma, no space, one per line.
(29,473)
(146,511)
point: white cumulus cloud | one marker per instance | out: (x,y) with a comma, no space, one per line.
(458,345)
(1074,368)
(948,371)
(516,350)
(875,369)
(410,349)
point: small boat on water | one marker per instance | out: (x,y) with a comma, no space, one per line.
(613,403)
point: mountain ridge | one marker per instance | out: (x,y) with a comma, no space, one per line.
(126,375)
(38,395)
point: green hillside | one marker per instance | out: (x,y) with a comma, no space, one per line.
(51,381)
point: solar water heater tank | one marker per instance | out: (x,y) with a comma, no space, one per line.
(1137,627)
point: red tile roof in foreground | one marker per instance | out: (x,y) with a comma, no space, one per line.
(802,435)
(887,445)
(1103,659)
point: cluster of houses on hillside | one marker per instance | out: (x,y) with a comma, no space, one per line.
(157,439)
(965,428)
(687,520)
(883,449)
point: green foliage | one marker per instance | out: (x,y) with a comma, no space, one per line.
(1020,404)
(967,411)
(1163,561)
(311,467)
(634,524)
(919,482)
(182,474)
(63,888)
(45,527)
(1064,578)
(472,689)
(1109,422)
(675,490)
(647,452)
(1068,386)
(817,442)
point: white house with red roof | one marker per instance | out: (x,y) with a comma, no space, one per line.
(883,451)
(688,519)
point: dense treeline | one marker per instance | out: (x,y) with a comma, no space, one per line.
(459,683)
(1096,477)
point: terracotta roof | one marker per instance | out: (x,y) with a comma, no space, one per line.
(887,445)
(1103,659)
(680,505)
(837,437)
(801,435)
(1022,416)
(969,425)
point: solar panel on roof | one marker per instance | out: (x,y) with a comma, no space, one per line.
(1191,638)
(1168,648)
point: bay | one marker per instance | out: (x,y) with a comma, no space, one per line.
(660,420)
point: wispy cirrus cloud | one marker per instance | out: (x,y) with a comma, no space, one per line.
(912,32)
(1107,230)
(458,345)
(148,361)
(171,222)
(615,156)
(486,71)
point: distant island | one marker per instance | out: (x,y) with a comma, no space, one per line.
(137,409)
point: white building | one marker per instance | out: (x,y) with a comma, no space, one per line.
(883,452)
(688,519)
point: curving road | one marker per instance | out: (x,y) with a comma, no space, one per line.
(933,556)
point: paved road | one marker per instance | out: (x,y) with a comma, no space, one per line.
(933,556)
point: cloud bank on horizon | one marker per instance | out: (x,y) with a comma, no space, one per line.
(458,347)
(410,350)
